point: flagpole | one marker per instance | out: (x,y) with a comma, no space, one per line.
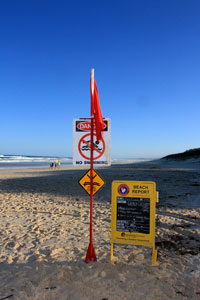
(90,256)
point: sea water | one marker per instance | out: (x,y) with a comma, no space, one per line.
(27,161)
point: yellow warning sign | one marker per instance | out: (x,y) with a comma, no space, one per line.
(97,182)
(133,214)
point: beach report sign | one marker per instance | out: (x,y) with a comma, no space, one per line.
(82,144)
(133,214)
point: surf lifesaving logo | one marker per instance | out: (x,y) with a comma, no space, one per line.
(123,189)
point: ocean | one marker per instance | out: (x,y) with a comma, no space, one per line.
(26,161)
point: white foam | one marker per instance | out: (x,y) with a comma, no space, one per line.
(32,159)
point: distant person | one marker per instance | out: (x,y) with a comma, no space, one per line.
(57,164)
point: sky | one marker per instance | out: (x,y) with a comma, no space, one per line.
(147,68)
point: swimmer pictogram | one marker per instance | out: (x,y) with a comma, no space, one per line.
(84,147)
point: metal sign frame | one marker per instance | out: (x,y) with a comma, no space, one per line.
(134,192)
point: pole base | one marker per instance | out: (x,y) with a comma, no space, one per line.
(90,256)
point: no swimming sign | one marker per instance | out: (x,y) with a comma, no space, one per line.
(82,144)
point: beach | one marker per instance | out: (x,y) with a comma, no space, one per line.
(44,235)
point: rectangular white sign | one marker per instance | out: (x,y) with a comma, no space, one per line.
(82,144)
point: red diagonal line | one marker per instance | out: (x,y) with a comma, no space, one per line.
(86,143)
(90,146)
(97,150)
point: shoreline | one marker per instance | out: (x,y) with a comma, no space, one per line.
(194,164)
(20,165)
(26,165)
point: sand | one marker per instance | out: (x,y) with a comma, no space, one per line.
(44,236)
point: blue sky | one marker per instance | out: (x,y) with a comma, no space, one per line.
(147,68)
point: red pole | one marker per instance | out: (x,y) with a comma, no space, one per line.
(90,256)
(91,176)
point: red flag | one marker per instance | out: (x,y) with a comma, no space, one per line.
(95,107)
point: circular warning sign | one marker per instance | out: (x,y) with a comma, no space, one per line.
(84,146)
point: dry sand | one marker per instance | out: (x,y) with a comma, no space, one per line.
(44,235)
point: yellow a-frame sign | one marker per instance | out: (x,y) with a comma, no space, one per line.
(133,214)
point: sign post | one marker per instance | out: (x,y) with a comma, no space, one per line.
(96,117)
(133,214)
(94,143)
(90,256)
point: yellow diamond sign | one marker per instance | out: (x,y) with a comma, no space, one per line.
(97,182)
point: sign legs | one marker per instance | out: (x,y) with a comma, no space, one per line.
(111,251)
(154,256)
